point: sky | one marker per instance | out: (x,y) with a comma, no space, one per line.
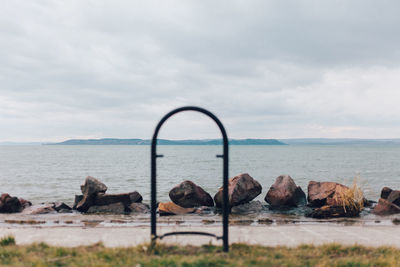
(267,69)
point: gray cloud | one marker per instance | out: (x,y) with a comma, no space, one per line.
(269,69)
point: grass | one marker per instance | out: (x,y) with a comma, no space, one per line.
(162,255)
(351,198)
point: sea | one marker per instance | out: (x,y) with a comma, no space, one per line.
(43,173)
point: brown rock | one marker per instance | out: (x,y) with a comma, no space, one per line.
(114,208)
(59,206)
(319,193)
(107,199)
(170,208)
(78,198)
(24,203)
(385,192)
(188,195)
(284,192)
(384,207)
(139,208)
(135,197)
(9,204)
(326,211)
(89,190)
(241,189)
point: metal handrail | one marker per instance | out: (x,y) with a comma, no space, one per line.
(224,156)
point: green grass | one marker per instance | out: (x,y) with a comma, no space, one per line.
(7,241)
(162,255)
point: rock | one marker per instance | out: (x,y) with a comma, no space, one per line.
(107,199)
(204,210)
(319,193)
(114,208)
(9,204)
(241,189)
(40,209)
(394,197)
(24,203)
(385,192)
(89,190)
(170,208)
(188,195)
(385,207)
(139,208)
(284,192)
(251,207)
(326,211)
(58,206)
(135,197)
(78,198)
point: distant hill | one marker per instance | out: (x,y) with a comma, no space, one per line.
(115,141)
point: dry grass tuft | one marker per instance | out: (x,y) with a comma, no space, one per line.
(351,198)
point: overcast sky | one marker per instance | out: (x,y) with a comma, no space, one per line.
(267,69)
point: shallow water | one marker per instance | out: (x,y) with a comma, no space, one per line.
(54,173)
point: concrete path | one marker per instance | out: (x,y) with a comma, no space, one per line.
(282,235)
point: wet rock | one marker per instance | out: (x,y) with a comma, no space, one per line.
(170,208)
(89,190)
(251,207)
(114,208)
(394,197)
(319,193)
(58,206)
(188,195)
(139,208)
(284,192)
(204,210)
(107,199)
(78,198)
(24,203)
(385,192)
(135,197)
(385,207)
(9,204)
(241,189)
(40,209)
(326,211)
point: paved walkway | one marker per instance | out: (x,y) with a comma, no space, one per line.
(283,235)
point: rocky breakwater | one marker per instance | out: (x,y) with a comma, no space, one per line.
(187,197)
(389,202)
(242,189)
(285,193)
(9,204)
(332,200)
(95,200)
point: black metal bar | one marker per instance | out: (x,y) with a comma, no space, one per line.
(225,156)
(189,233)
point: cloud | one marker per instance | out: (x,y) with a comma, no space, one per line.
(268,69)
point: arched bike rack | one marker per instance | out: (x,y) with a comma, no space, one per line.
(224,156)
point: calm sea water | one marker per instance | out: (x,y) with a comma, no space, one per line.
(55,173)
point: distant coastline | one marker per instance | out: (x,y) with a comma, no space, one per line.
(115,141)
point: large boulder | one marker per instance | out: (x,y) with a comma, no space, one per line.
(241,189)
(188,195)
(323,193)
(250,207)
(284,192)
(127,198)
(386,192)
(89,190)
(327,211)
(9,204)
(114,208)
(170,208)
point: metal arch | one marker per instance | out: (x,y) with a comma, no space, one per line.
(225,156)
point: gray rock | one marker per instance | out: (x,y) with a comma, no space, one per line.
(115,208)
(188,195)
(385,192)
(89,190)
(61,206)
(78,198)
(40,209)
(251,207)
(139,208)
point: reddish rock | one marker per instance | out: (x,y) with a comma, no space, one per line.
(170,208)
(284,192)
(188,195)
(24,203)
(385,207)
(241,189)
(89,190)
(322,193)
(9,204)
